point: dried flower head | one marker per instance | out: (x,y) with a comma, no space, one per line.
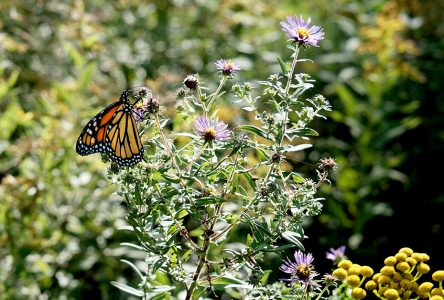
(227,67)
(211,130)
(301,269)
(191,82)
(299,31)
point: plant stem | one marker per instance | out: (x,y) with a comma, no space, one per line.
(213,98)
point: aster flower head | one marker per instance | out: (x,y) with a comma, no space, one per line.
(211,130)
(336,255)
(227,67)
(139,110)
(301,269)
(298,30)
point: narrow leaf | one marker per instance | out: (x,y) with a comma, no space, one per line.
(127,289)
(283,65)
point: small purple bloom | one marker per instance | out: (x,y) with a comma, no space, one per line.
(211,130)
(227,67)
(139,110)
(301,270)
(336,255)
(299,31)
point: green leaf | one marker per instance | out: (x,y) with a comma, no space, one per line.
(127,289)
(249,240)
(283,65)
(137,195)
(256,130)
(263,156)
(181,214)
(133,266)
(293,238)
(298,147)
(158,263)
(302,132)
(264,278)
(297,178)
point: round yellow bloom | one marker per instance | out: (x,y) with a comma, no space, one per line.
(400,256)
(345,264)
(366,271)
(390,261)
(353,280)
(402,266)
(411,261)
(371,285)
(417,256)
(391,294)
(384,279)
(425,257)
(423,268)
(437,292)
(358,293)
(406,250)
(425,287)
(438,275)
(340,273)
(436,297)
(387,270)
(353,270)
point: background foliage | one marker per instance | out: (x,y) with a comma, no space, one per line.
(60,62)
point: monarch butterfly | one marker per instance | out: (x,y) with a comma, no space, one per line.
(113,131)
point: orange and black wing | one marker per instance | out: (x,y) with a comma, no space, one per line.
(113,131)
(122,140)
(92,138)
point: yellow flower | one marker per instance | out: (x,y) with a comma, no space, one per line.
(391,294)
(353,280)
(358,293)
(340,273)
(390,261)
(438,275)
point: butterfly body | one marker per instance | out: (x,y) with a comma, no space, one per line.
(113,132)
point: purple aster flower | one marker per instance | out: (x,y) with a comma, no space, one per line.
(336,255)
(211,130)
(227,67)
(299,31)
(301,270)
(139,110)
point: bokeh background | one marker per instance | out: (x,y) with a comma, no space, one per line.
(380,65)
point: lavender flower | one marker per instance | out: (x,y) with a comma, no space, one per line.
(227,67)
(139,110)
(211,130)
(301,270)
(336,255)
(299,32)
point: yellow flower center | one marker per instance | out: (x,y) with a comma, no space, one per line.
(303,271)
(209,134)
(303,32)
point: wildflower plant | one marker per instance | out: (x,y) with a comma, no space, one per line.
(399,278)
(196,188)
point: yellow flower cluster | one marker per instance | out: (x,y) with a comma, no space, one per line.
(397,279)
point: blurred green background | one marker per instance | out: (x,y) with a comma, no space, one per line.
(381,66)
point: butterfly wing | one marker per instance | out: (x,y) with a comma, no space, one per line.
(113,131)
(92,138)
(122,140)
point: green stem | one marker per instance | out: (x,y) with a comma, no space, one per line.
(287,89)
(213,98)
